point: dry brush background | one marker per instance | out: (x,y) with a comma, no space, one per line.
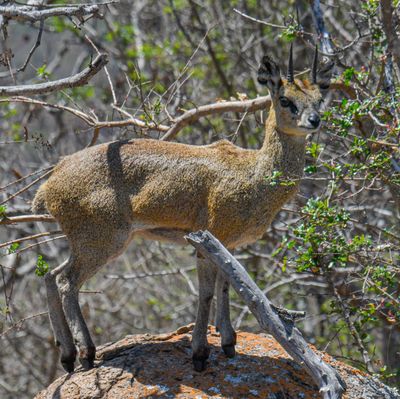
(333,252)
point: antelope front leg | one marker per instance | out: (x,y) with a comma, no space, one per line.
(206,272)
(223,320)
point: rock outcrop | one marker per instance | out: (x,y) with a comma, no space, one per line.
(159,366)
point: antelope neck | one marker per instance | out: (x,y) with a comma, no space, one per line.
(282,152)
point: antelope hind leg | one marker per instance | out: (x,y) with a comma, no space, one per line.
(68,284)
(91,249)
(62,333)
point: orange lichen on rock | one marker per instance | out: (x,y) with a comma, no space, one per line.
(159,366)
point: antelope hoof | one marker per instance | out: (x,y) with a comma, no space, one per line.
(68,364)
(229,350)
(86,358)
(68,358)
(86,363)
(200,357)
(199,364)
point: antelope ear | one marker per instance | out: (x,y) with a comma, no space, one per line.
(324,75)
(269,74)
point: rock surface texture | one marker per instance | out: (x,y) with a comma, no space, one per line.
(159,366)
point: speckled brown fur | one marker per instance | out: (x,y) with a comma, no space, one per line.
(105,195)
(162,185)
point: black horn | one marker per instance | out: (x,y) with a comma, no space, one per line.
(314,66)
(290,76)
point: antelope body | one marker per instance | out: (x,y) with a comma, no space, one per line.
(105,195)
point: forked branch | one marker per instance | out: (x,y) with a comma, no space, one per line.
(269,317)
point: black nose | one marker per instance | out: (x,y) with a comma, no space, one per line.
(314,119)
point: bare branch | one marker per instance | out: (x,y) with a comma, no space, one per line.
(35,46)
(36,244)
(259,21)
(216,108)
(27,219)
(32,13)
(36,172)
(79,79)
(19,323)
(96,133)
(26,187)
(105,69)
(353,330)
(32,237)
(79,114)
(187,118)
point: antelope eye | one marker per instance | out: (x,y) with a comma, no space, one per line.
(285,102)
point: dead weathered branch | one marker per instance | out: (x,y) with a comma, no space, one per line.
(33,13)
(282,328)
(195,114)
(79,79)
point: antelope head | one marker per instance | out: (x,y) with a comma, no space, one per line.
(296,102)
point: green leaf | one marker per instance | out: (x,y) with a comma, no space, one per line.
(310,169)
(3,209)
(42,267)
(42,72)
(348,75)
(13,248)
(284,264)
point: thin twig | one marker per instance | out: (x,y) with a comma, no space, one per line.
(105,69)
(25,177)
(18,324)
(353,331)
(32,237)
(26,187)
(27,219)
(259,21)
(79,114)
(36,244)
(35,46)
(96,133)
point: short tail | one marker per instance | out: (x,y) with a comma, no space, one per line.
(39,202)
